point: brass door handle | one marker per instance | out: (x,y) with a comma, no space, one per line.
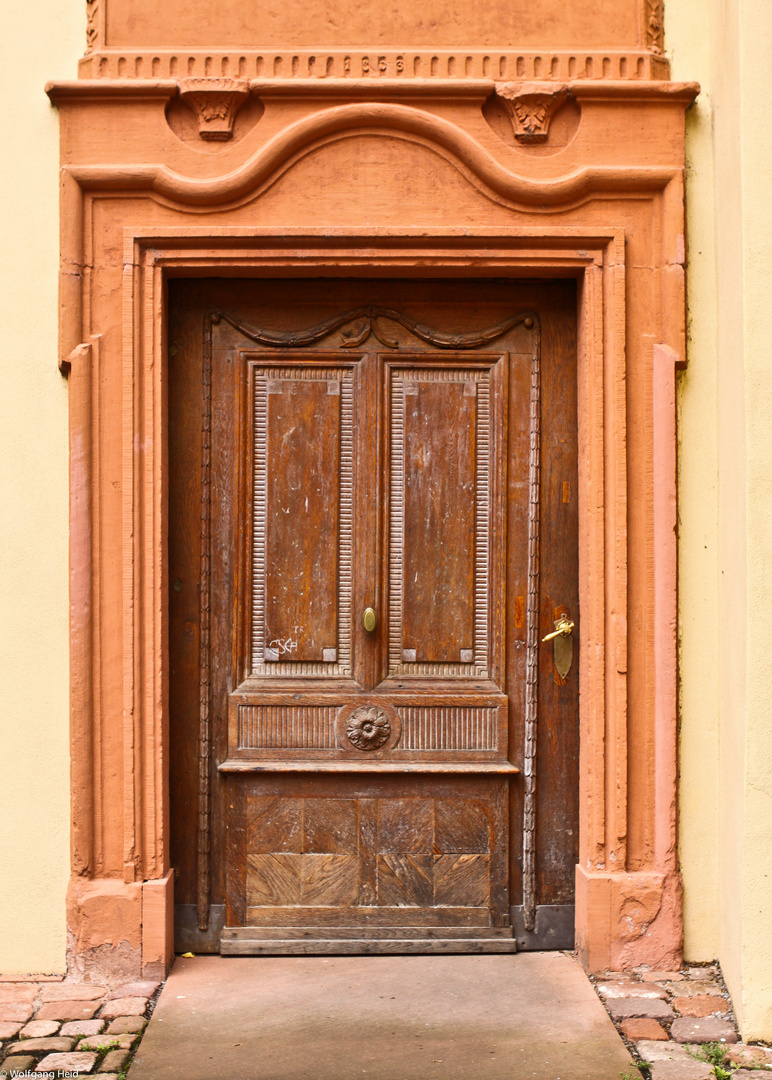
(563,628)
(369,620)
(562,644)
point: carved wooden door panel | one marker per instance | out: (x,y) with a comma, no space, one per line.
(369,540)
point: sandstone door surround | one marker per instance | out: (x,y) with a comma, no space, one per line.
(408,163)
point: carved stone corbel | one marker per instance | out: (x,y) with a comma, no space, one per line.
(215,103)
(531,107)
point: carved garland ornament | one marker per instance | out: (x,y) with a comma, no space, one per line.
(367,321)
(368,728)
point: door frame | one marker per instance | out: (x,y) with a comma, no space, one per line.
(614,905)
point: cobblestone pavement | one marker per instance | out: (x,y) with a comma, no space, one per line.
(53,1027)
(679,1025)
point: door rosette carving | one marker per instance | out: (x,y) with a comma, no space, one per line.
(368,727)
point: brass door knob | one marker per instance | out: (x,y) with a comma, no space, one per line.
(369,620)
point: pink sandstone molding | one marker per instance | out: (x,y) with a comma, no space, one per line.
(140,205)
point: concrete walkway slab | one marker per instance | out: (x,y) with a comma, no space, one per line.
(530,1016)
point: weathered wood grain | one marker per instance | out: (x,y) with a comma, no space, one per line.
(318,918)
(368,851)
(330,880)
(461,879)
(301,523)
(406,880)
(403,828)
(266,933)
(274,879)
(439,518)
(462,825)
(364,946)
(274,825)
(331,826)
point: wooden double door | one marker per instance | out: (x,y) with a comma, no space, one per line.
(372,525)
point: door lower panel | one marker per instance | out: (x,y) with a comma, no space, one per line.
(406,856)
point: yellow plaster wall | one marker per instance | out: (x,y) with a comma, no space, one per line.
(725,562)
(691,57)
(42,39)
(755,79)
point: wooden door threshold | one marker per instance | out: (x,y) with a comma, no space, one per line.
(236,765)
(352,940)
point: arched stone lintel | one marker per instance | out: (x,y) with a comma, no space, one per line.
(389,117)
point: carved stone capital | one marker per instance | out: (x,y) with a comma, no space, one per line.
(215,103)
(531,107)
